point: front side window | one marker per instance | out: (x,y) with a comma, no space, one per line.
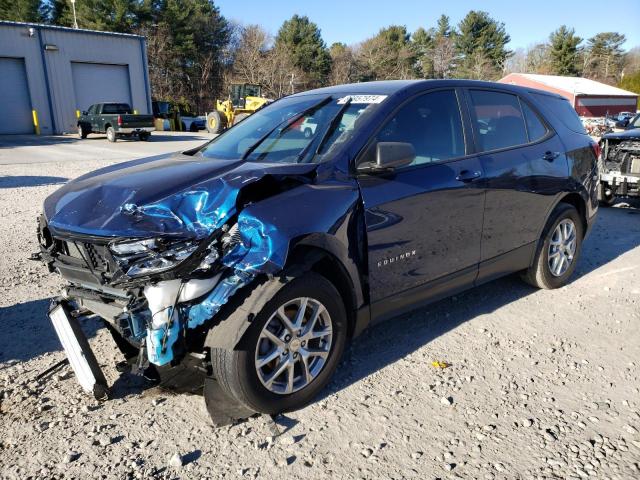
(302,129)
(635,122)
(498,119)
(431,123)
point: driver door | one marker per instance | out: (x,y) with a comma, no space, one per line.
(424,220)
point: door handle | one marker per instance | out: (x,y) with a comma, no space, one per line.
(550,156)
(468,175)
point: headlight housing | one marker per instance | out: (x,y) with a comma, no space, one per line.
(150,256)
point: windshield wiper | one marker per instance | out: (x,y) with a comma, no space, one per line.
(288,122)
(333,124)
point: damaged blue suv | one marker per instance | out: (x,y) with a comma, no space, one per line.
(246,265)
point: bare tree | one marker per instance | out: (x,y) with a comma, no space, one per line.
(343,65)
(444,57)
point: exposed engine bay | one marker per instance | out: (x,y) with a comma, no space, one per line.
(620,168)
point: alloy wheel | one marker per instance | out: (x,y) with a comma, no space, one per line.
(562,247)
(294,345)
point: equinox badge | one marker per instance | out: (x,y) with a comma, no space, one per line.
(397,258)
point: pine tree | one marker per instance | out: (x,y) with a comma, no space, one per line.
(604,56)
(302,39)
(481,41)
(564,52)
(22,10)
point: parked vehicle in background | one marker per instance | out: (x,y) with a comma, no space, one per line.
(253,260)
(181,116)
(308,127)
(632,121)
(193,124)
(620,164)
(116,120)
(625,116)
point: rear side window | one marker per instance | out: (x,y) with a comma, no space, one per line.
(563,110)
(432,124)
(499,122)
(120,108)
(535,127)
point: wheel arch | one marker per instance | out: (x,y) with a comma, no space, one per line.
(576,200)
(324,262)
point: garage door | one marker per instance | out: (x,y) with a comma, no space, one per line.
(15,103)
(98,82)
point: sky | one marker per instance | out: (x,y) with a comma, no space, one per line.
(351,21)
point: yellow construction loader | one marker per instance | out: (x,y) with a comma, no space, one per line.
(244,99)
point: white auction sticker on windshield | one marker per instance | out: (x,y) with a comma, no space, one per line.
(360,99)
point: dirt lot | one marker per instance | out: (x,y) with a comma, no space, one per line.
(542,384)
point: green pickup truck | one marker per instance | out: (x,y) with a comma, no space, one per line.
(116,120)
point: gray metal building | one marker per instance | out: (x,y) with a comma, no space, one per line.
(48,74)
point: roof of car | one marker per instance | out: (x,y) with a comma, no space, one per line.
(389,87)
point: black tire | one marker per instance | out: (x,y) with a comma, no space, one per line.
(193,127)
(539,274)
(144,136)
(606,200)
(235,370)
(214,122)
(238,118)
(111,134)
(82,133)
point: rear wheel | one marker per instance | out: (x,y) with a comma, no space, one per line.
(111,134)
(558,250)
(214,122)
(144,136)
(291,349)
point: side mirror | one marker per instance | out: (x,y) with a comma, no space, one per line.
(390,155)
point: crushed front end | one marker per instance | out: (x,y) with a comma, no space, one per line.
(158,272)
(620,167)
(152,293)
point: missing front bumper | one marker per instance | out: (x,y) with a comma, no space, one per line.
(78,351)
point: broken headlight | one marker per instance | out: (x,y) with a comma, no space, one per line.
(146,257)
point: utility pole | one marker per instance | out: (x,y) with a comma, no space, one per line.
(75,19)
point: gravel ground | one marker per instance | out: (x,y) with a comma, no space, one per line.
(541,384)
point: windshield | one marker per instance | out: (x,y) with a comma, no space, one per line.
(300,129)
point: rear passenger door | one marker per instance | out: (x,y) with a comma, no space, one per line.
(423,220)
(525,168)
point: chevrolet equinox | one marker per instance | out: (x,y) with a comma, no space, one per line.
(247,264)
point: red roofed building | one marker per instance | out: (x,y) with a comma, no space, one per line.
(588,97)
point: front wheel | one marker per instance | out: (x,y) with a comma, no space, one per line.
(558,250)
(291,349)
(214,122)
(82,133)
(111,134)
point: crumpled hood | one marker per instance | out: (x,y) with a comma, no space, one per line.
(633,133)
(177,195)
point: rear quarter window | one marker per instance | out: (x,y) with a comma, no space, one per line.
(563,110)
